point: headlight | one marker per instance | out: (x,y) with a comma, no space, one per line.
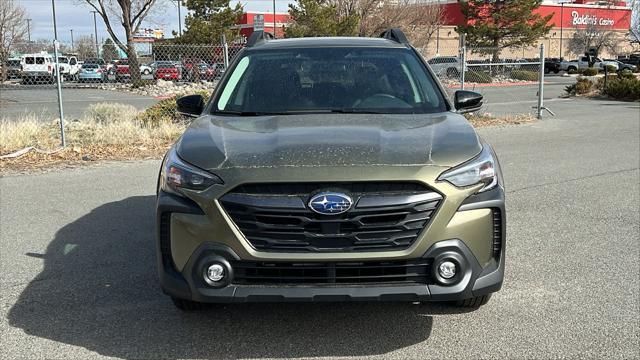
(177,175)
(479,170)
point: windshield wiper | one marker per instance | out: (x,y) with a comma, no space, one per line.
(248,113)
(357,111)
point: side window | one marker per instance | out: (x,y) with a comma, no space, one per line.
(29,60)
(40,60)
(72,61)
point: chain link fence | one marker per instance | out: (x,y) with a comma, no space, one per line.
(43,83)
(508,78)
(32,65)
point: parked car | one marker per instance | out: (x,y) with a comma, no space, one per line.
(203,71)
(145,69)
(167,72)
(552,65)
(445,66)
(330,169)
(583,63)
(633,59)
(13,68)
(37,68)
(97,61)
(121,70)
(623,66)
(91,72)
(219,68)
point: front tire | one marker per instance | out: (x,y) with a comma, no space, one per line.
(474,302)
(188,305)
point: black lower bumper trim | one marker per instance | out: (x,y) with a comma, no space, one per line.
(473,281)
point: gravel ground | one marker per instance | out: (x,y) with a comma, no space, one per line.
(78,266)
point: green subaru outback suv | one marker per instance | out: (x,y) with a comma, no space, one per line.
(330,169)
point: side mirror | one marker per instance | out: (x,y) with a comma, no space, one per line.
(190,105)
(467,101)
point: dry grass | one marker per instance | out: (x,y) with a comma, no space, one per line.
(115,132)
(481,120)
(107,132)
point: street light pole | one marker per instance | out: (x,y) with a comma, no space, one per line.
(72,48)
(561,26)
(562,21)
(95,31)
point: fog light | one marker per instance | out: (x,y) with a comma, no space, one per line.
(215,272)
(447,269)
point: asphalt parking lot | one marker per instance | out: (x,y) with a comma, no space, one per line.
(17,102)
(79,280)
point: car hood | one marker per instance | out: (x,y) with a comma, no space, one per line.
(214,142)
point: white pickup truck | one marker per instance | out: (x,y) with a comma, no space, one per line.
(583,63)
(69,67)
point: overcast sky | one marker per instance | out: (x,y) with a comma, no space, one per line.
(74,14)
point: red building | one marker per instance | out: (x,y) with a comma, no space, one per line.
(248,20)
(578,14)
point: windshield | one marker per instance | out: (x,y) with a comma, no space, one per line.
(359,80)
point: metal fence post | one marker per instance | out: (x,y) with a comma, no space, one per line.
(541,83)
(56,44)
(463,60)
(225,51)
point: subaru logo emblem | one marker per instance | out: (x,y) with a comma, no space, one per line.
(329,203)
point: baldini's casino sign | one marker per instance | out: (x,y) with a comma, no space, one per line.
(590,19)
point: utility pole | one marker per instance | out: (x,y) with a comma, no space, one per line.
(179,18)
(95,31)
(72,48)
(274,18)
(56,44)
(29,30)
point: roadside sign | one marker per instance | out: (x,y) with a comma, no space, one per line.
(258,22)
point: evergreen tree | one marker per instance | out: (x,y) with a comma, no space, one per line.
(320,18)
(208,20)
(109,51)
(499,24)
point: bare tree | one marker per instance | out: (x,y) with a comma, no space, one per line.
(13,30)
(85,47)
(130,14)
(594,37)
(418,19)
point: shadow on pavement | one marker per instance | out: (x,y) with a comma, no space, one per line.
(99,290)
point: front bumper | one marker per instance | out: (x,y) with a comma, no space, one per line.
(480,274)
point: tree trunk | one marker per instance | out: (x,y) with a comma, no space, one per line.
(134,67)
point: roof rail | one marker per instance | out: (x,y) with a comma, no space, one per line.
(395,34)
(258,37)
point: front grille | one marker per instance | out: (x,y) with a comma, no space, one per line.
(343,273)
(497,232)
(385,216)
